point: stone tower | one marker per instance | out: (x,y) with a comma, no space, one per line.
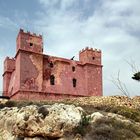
(29,42)
(91,59)
(29,61)
(32,75)
(9,67)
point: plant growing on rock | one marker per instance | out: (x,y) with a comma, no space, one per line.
(84,123)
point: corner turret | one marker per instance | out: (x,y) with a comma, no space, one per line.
(9,67)
(90,55)
(29,42)
(9,64)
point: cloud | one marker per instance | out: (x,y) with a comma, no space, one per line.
(113,26)
(70,25)
(6,22)
(5,51)
(1,72)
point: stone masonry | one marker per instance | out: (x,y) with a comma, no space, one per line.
(32,75)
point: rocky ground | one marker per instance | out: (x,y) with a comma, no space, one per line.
(90,118)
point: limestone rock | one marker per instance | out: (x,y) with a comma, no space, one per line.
(66,122)
(96,116)
(3,101)
(47,121)
(35,138)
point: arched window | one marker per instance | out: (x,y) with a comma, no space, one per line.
(74,82)
(52,80)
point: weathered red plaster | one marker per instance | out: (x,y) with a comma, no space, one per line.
(27,76)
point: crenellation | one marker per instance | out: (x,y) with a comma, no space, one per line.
(29,42)
(90,49)
(83,50)
(34,34)
(87,48)
(29,33)
(40,35)
(9,58)
(21,30)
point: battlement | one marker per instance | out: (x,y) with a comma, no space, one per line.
(8,58)
(9,64)
(90,55)
(29,33)
(90,49)
(29,42)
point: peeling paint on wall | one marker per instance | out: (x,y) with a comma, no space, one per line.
(37,61)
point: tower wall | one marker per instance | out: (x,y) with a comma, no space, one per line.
(90,55)
(93,80)
(91,58)
(9,67)
(29,42)
(9,64)
(28,65)
(64,74)
(30,49)
(31,71)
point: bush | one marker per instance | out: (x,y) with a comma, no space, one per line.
(112,129)
(130,113)
(83,125)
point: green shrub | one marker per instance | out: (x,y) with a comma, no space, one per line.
(130,113)
(112,129)
(10,104)
(83,125)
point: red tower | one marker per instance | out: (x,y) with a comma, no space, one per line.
(91,59)
(29,42)
(32,75)
(9,67)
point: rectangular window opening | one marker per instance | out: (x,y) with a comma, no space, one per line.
(73,68)
(52,80)
(31,44)
(74,82)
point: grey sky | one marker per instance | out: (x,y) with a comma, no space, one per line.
(70,25)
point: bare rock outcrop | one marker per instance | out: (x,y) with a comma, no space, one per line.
(33,121)
(68,122)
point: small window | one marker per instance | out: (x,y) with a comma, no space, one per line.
(31,44)
(52,80)
(93,58)
(51,64)
(73,68)
(74,82)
